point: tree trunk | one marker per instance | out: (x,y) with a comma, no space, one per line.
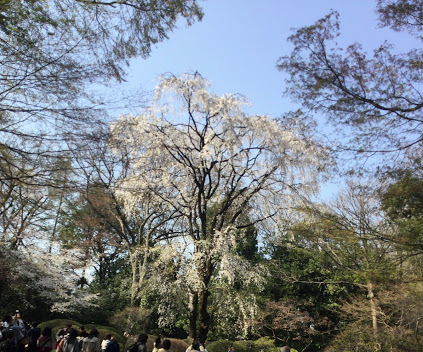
(135,278)
(56,220)
(193,314)
(203,301)
(373,307)
(143,269)
(139,263)
(204,316)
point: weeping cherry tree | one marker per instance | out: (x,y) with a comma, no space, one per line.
(211,163)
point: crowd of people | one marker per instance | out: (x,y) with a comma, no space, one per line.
(17,335)
(70,339)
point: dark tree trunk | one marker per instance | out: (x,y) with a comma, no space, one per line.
(203,301)
(204,316)
(193,315)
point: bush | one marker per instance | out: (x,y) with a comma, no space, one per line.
(264,344)
(219,346)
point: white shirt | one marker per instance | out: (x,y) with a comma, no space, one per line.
(104,344)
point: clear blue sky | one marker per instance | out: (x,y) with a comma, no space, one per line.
(237,44)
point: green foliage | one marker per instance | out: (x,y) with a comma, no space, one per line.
(132,320)
(403,203)
(301,291)
(263,344)
(112,294)
(404,198)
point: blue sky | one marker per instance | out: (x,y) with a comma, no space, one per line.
(238,42)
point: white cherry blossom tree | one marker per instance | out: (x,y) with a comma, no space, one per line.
(204,157)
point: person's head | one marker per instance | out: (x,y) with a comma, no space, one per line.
(46,331)
(69,326)
(83,332)
(108,337)
(166,344)
(142,338)
(93,333)
(113,337)
(18,315)
(73,333)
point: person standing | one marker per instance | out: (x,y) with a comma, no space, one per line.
(7,321)
(83,332)
(91,343)
(113,345)
(72,344)
(140,345)
(7,343)
(18,321)
(33,334)
(45,341)
(61,337)
(105,342)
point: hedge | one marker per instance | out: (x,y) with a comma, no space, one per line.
(263,344)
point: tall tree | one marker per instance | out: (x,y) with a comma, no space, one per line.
(204,153)
(104,219)
(349,232)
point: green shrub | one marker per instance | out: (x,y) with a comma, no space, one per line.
(264,344)
(219,346)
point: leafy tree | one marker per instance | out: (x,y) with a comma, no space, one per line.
(110,288)
(378,98)
(51,54)
(348,233)
(303,287)
(99,171)
(401,15)
(402,202)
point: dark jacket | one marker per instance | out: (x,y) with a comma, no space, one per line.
(112,346)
